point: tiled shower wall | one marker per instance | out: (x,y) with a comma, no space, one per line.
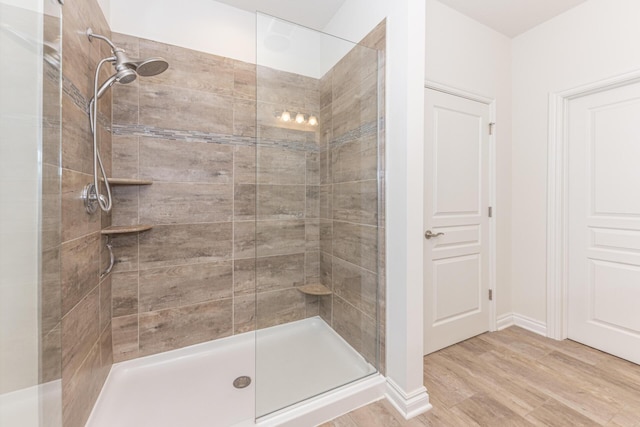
(85,299)
(351,202)
(191,131)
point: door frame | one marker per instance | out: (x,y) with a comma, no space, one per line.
(491,102)
(557,198)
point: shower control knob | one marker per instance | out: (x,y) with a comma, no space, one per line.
(429,234)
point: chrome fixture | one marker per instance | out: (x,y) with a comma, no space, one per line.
(430,235)
(299,118)
(127,70)
(242,382)
(112,258)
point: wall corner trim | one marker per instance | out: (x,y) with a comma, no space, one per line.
(409,405)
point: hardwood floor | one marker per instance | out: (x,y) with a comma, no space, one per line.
(517,378)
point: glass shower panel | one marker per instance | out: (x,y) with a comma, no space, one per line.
(30,218)
(316,213)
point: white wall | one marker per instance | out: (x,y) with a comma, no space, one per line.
(464,54)
(593,41)
(223,30)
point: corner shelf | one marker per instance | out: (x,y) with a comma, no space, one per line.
(124,229)
(127,181)
(315,289)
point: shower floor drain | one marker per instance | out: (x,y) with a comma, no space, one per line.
(242,382)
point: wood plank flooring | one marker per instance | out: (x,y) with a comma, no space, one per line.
(517,378)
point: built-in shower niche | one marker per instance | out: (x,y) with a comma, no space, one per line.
(316,210)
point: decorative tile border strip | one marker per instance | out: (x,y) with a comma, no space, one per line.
(71,90)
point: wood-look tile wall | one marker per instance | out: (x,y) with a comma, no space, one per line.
(233,223)
(351,201)
(85,327)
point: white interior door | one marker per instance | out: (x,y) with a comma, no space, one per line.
(456,293)
(604,221)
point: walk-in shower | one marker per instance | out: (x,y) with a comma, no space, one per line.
(126,71)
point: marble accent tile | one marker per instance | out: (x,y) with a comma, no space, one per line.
(79,260)
(50,308)
(282,88)
(278,307)
(326,236)
(126,201)
(168,245)
(51,355)
(356,244)
(125,154)
(326,270)
(125,338)
(313,168)
(126,108)
(244,313)
(312,267)
(244,239)
(358,329)
(280,272)
(280,237)
(130,44)
(325,308)
(312,209)
(80,331)
(182,203)
(244,117)
(106,347)
(80,391)
(75,220)
(244,202)
(355,285)
(244,276)
(326,167)
(178,327)
(356,202)
(170,287)
(124,289)
(312,234)
(353,71)
(244,80)
(51,207)
(244,164)
(325,207)
(125,249)
(105,302)
(190,69)
(280,202)
(281,166)
(180,108)
(312,305)
(180,161)
(77,151)
(355,161)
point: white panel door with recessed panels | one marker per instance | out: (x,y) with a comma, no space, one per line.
(456,278)
(604,221)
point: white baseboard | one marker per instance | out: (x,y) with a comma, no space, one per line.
(408,405)
(514,319)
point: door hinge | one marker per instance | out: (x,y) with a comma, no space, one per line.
(490,212)
(492,125)
(490,294)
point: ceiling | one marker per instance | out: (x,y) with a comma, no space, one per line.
(511,17)
(312,14)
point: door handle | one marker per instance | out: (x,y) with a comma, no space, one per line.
(429,234)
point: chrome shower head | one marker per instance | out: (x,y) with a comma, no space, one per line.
(151,67)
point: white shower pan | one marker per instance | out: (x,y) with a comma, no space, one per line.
(193,387)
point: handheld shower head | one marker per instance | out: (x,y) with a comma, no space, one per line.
(124,76)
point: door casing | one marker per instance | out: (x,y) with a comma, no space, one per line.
(491,102)
(557,202)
